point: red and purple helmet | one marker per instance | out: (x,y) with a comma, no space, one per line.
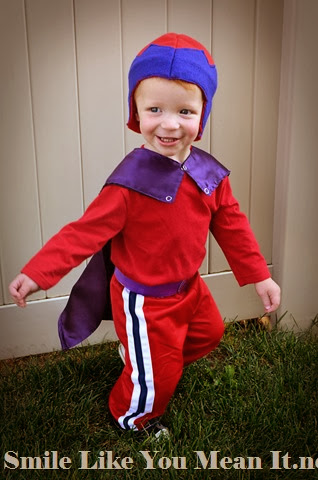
(175,57)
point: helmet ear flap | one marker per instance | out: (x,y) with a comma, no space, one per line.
(133,120)
(134,109)
(201,127)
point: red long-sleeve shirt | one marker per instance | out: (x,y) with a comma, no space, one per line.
(154,242)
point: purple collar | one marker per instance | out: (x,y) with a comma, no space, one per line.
(159,177)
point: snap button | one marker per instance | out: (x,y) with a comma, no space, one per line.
(207,191)
(168,198)
(184,167)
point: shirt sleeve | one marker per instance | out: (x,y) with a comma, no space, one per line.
(103,219)
(232,231)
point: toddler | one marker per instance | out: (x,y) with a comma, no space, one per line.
(147,231)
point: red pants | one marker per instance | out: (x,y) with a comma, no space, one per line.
(160,336)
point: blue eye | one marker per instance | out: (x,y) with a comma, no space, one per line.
(154,109)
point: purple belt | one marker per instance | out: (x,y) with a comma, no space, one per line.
(163,290)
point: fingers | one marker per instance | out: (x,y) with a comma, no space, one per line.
(17,292)
(268,306)
(20,288)
(269,293)
(275,301)
(271,303)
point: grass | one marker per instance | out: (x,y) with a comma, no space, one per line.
(257,393)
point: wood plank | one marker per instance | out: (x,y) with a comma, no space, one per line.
(191,18)
(232,113)
(268,41)
(296,226)
(55,105)
(98,45)
(233,50)
(20,233)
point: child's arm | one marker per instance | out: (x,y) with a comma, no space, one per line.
(21,287)
(232,231)
(269,293)
(75,242)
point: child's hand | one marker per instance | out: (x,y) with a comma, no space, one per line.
(269,292)
(21,287)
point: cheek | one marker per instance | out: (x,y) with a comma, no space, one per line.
(193,129)
(146,124)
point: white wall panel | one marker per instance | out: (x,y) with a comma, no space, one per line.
(20,234)
(233,50)
(245,117)
(99,57)
(268,40)
(296,220)
(51,43)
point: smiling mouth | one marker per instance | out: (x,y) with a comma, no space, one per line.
(167,139)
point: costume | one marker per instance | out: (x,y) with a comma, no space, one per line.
(160,336)
(151,221)
(156,239)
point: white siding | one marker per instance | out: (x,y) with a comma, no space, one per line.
(63,87)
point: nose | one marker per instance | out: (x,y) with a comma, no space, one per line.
(170,121)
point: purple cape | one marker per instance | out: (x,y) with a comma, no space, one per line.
(153,175)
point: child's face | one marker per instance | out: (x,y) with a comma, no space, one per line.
(169,116)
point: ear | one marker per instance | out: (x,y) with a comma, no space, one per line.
(137,116)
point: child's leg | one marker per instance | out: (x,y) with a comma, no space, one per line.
(153,332)
(206,327)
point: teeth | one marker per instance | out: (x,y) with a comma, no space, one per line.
(167,140)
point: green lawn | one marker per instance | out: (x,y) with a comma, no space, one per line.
(257,393)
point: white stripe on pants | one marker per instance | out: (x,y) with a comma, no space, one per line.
(139,351)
